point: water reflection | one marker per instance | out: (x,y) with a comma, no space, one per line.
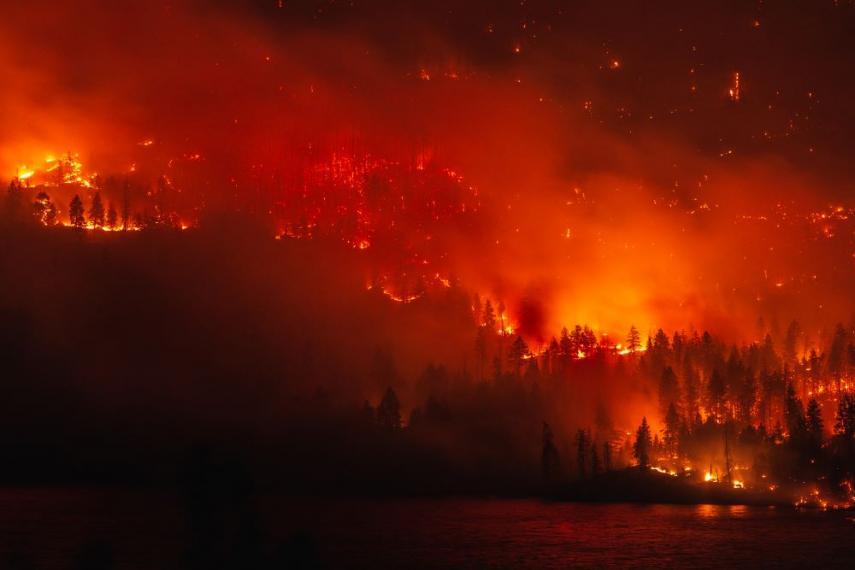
(708,511)
(55,529)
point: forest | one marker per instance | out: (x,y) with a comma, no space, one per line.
(128,352)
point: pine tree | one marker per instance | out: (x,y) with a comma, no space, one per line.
(517,353)
(75,213)
(643,444)
(794,332)
(607,456)
(716,390)
(814,424)
(795,415)
(96,211)
(565,346)
(669,390)
(672,429)
(389,412)
(633,340)
(112,217)
(489,316)
(845,424)
(13,206)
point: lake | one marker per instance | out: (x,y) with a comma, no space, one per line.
(60,528)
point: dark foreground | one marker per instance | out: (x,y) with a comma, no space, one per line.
(86,529)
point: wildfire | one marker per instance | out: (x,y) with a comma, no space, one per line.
(735,90)
(25,173)
(624,351)
(65,170)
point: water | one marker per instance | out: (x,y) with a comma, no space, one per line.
(69,529)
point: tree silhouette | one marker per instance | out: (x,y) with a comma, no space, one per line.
(489,316)
(565,345)
(75,213)
(389,412)
(587,341)
(795,415)
(13,204)
(643,443)
(633,340)
(716,391)
(669,390)
(814,426)
(607,456)
(672,429)
(112,217)
(517,353)
(96,211)
(845,424)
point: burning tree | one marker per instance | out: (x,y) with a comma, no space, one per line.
(43,209)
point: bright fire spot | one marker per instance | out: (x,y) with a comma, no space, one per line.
(66,169)
(738,485)
(24,173)
(735,90)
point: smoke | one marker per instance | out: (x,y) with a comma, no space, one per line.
(593,209)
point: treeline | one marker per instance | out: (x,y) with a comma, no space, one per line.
(189,327)
(25,205)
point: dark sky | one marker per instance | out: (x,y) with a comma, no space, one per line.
(676,61)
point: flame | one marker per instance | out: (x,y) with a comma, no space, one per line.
(53,171)
(735,90)
(24,173)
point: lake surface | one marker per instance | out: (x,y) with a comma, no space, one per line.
(86,529)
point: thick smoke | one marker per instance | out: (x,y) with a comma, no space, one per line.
(584,217)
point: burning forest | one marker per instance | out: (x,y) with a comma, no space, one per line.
(535,249)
